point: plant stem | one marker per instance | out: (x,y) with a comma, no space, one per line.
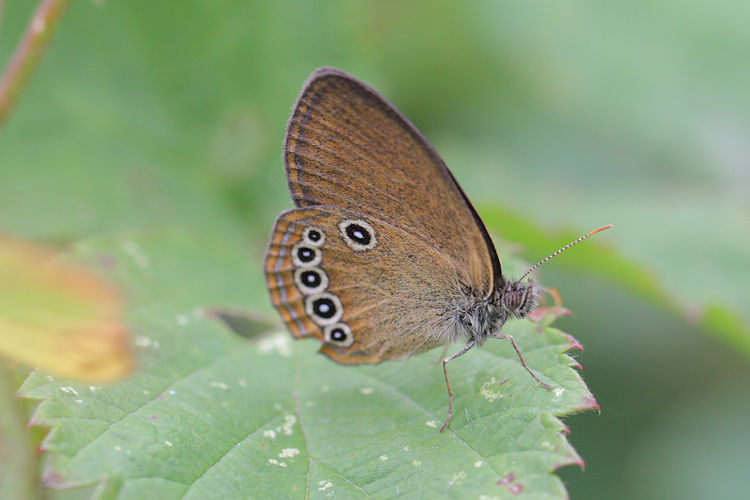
(28,53)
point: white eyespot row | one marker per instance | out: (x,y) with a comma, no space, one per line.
(324,308)
(305,255)
(358,234)
(310,280)
(313,236)
(338,334)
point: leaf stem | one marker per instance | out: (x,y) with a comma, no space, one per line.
(29,52)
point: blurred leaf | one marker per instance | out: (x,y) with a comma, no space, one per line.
(597,259)
(726,324)
(59,316)
(666,457)
(211,415)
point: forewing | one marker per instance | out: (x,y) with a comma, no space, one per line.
(348,146)
(394,295)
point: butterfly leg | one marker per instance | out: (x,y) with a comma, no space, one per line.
(448,384)
(500,335)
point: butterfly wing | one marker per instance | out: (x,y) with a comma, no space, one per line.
(347,146)
(369,290)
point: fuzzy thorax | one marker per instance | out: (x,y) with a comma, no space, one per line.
(479,318)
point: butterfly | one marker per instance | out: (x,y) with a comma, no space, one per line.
(384,256)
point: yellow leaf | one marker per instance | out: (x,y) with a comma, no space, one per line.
(59,316)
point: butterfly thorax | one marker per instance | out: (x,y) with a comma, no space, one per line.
(480,318)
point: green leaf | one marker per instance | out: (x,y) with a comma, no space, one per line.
(209,414)
(727,324)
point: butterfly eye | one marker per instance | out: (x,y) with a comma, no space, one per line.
(310,280)
(338,334)
(314,236)
(513,299)
(306,256)
(358,234)
(324,308)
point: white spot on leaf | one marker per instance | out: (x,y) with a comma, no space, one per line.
(270,433)
(219,385)
(276,344)
(289,453)
(140,258)
(142,341)
(457,478)
(289,422)
(367,390)
(383,458)
(432,423)
(168,443)
(490,390)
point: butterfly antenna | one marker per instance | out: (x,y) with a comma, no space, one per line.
(564,248)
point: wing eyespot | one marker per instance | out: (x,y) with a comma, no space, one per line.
(310,280)
(338,334)
(324,308)
(313,236)
(358,234)
(306,256)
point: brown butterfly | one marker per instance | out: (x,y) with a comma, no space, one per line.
(385,257)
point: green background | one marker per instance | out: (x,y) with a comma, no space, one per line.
(573,115)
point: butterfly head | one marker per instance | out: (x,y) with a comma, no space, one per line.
(519,298)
